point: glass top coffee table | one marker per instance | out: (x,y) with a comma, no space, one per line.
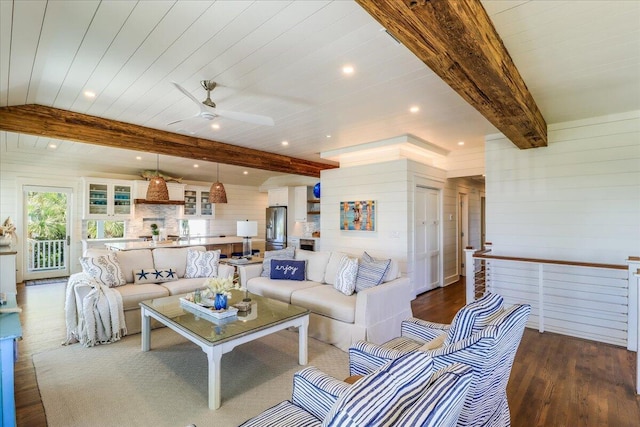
(219,336)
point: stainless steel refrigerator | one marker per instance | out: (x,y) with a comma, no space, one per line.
(276,228)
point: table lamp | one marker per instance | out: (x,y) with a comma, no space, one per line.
(247,229)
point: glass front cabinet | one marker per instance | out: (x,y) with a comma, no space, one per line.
(196,203)
(107,199)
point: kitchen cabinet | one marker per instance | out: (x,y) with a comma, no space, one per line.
(300,203)
(196,203)
(278,196)
(107,199)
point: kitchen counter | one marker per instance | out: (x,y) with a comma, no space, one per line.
(227,245)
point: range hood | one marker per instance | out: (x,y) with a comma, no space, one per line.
(163,202)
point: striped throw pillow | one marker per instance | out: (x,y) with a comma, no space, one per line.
(345,280)
(201,263)
(381,397)
(371,272)
(473,317)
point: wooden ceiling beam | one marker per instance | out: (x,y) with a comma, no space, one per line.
(51,122)
(457,40)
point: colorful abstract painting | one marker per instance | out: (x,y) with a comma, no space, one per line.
(358,215)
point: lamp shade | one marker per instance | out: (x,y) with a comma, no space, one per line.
(247,228)
(217,193)
(157,191)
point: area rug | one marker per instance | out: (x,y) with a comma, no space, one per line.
(46,281)
(118,384)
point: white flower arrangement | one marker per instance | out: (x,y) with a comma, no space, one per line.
(219,285)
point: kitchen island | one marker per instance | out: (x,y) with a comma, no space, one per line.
(227,245)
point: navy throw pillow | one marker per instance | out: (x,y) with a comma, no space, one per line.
(288,269)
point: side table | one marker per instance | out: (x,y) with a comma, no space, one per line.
(10,333)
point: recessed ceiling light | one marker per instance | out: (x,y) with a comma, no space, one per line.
(215,126)
(461,143)
(52,145)
(348,69)
(245,173)
(89,94)
(328,136)
(414,109)
(285,143)
(196,165)
(138,157)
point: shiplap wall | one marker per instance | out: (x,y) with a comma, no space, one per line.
(577,199)
(245,202)
(392,185)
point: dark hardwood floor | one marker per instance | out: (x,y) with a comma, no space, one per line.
(555,381)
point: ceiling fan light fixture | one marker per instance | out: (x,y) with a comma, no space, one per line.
(217,193)
(157,190)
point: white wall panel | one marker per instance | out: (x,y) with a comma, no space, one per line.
(577,199)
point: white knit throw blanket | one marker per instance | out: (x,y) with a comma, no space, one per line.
(100,319)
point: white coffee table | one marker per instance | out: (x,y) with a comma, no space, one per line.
(216,338)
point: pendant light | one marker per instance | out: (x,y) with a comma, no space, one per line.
(157,191)
(217,194)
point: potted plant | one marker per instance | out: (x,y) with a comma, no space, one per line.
(155,232)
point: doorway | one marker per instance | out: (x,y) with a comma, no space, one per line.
(463,229)
(427,239)
(46,235)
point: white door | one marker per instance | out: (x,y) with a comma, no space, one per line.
(47,216)
(427,239)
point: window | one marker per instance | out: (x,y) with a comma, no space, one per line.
(101,229)
(194,227)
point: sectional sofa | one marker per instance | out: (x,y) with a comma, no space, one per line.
(373,314)
(133,293)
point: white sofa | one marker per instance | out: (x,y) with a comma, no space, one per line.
(132,294)
(373,314)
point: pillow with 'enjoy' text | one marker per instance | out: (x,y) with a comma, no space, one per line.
(288,269)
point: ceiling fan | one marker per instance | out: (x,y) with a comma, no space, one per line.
(208,110)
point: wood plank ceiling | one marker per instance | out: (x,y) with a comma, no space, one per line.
(283,59)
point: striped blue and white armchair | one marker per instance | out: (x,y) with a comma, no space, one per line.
(406,392)
(488,349)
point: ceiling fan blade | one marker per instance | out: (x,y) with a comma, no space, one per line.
(244,117)
(190,96)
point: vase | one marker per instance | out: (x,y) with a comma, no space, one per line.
(220,302)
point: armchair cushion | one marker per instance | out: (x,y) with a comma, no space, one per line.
(380,398)
(473,317)
(443,401)
(316,392)
(284,414)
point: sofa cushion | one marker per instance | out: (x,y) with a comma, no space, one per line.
(135,260)
(132,294)
(105,269)
(288,269)
(346,276)
(287,253)
(332,267)
(393,272)
(183,285)
(281,289)
(202,263)
(316,263)
(154,275)
(173,257)
(371,273)
(326,301)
